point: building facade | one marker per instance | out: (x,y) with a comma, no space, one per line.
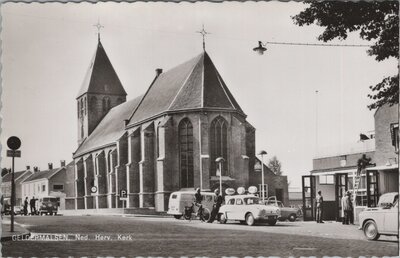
(163,141)
(333,175)
(51,182)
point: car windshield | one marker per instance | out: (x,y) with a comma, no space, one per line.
(251,200)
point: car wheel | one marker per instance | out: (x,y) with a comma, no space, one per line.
(271,222)
(292,217)
(250,219)
(222,218)
(55,213)
(177,216)
(371,230)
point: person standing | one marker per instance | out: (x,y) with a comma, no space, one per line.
(26,206)
(32,203)
(198,198)
(217,204)
(351,209)
(319,200)
(347,208)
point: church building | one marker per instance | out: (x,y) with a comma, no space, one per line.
(163,141)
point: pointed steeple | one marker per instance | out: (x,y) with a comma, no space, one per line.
(101,77)
(101,90)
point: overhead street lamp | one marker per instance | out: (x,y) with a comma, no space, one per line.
(262,153)
(219,160)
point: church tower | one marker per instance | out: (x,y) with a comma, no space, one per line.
(101,90)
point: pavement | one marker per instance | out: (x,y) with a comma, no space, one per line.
(153,236)
(19,230)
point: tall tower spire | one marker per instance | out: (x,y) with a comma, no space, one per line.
(98,26)
(203,33)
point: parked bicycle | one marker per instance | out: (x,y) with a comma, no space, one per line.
(202,213)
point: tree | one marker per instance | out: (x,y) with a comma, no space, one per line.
(375,21)
(275,165)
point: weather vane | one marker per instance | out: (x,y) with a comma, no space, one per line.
(203,33)
(98,26)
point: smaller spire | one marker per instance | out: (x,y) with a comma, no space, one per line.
(203,33)
(98,26)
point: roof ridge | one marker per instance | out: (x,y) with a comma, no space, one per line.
(186,80)
(141,100)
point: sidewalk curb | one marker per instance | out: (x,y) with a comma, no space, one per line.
(10,238)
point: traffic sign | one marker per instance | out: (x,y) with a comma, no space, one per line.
(93,189)
(123,193)
(14,153)
(14,143)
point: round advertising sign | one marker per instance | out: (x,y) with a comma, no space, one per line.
(241,190)
(14,143)
(252,189)
(230,191)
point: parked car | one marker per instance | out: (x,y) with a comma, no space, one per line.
(382,220)
(18,210)
(247,209)
(287,213)
(48,205)
(179,200)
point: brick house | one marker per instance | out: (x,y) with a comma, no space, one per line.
(50,182)
(162,141)
(337,173)
(6,185)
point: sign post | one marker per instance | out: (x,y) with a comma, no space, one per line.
(123,196)
(13,143)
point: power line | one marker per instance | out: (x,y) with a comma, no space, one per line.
(313,44)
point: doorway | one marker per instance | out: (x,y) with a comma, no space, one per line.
(340,190)
(308,192)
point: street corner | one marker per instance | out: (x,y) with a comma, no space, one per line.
(19,233)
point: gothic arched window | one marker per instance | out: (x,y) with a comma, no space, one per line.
(186,153)
(106,104)
(218,144)
(84,106)
(92,104)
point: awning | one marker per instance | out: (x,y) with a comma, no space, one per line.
(395,166)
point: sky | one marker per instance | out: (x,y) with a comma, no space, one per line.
(47,49)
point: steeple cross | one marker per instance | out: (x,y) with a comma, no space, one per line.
(203,33)
(98,26)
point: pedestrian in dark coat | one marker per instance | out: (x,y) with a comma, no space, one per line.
(217,204)
(26,206)
(32,203)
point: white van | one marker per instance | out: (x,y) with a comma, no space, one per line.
(178,201)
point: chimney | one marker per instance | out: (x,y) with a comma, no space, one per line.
(35,169)
(28,167)
(126,122)
(62,162)
(50,166)
(158,71)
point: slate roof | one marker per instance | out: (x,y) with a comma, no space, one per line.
(46,174)
(42,174)
(101,77)
(110,129)
(7,177)
(192,85)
